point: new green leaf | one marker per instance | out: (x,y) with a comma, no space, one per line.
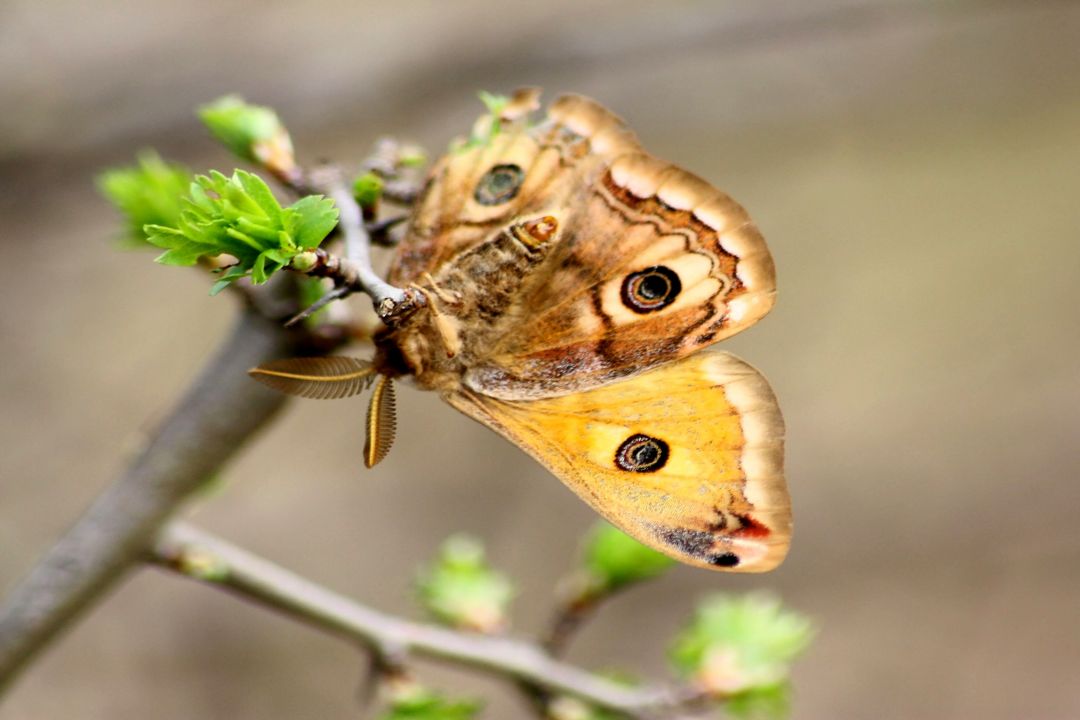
(314,218)
(494,103)
(148,193)
(239,216)
(742,648)
(487,126)
(768,702)
(411,156)
(460,589)
(252,132)
(418,703)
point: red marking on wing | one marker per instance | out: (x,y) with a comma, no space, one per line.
(751,528)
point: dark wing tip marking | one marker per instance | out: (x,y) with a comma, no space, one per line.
(697,544)
(728,559)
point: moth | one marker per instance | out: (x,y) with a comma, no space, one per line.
(574,287)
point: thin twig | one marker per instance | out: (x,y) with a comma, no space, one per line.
(577,607)
(388,161)
(354,271)
(379,230)
(358,245)
(384,159)
(337,293)
(567,618)
(579,602)
(293,177)
(402,191)
(220,412)
(195,553)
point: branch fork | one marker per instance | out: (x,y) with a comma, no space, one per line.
(199,555)
(353,272)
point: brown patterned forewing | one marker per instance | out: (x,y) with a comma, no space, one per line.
(455,213)
(653,264)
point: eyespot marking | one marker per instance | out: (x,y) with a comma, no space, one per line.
(641,453)
(535,233)
(650,289)
(500,184)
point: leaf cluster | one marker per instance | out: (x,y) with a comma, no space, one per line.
(239,216)
(738,649)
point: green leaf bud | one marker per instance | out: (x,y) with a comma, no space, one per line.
(367,189)
(410,701)
(462,591)
(735,645)
(252,132)
(305,261)
(612,559)
(203,565)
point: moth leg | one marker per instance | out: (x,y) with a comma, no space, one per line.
(450,298)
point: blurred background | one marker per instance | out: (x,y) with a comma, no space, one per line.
(915,167)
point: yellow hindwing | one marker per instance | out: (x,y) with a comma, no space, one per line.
(687,458)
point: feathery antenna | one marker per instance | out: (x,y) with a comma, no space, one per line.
(322,378)
(381,422)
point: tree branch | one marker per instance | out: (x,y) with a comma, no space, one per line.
(222,409)
(571,613)
(358,245)
(354,272)
(195,553)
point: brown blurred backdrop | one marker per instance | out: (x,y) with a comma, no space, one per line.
(915,167)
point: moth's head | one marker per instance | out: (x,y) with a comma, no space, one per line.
(395,313)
